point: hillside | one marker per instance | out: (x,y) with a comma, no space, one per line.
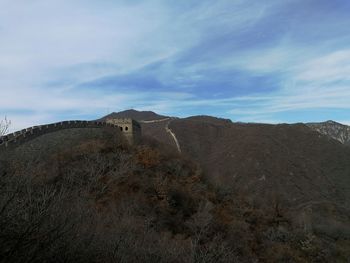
(288,160)
(289,164)
(236,193)
(335,130)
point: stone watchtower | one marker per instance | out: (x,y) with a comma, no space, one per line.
(129,127)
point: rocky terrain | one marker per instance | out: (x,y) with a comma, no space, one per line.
(335,130)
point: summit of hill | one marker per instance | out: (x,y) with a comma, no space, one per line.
(136,115)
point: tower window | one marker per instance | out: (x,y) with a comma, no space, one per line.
(126,128)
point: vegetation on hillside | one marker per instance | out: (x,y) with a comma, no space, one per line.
(102,201)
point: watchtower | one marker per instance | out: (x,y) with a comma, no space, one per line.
(129,127)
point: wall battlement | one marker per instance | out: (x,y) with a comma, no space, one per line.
(128,127)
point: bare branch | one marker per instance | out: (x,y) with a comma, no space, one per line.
(4,126)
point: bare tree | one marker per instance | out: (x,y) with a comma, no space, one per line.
(4,126)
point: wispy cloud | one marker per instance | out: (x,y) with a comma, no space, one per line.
(246,60)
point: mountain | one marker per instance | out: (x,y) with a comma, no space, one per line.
(335,130)
(136,115)
(289,164)
(292,162)
(197,189)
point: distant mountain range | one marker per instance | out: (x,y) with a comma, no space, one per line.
(335,130)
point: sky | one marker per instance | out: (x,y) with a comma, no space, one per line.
(267,61)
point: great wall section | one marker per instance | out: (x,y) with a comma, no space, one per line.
(19,137)
(167,129)
(129,128)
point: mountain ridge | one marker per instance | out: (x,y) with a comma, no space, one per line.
(264,187)
(335,130)
(136,115)
(225,148)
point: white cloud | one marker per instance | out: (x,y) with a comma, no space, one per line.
(49,47)
(331,67)
(312,79)
(52,41)
(69,42)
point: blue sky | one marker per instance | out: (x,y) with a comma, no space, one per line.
(247,60)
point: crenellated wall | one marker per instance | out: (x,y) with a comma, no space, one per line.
(129,127)
(17,138)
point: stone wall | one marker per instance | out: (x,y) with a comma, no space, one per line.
(62,142)
(19,137)
(129,127)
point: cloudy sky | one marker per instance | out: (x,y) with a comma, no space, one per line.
(248,60)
